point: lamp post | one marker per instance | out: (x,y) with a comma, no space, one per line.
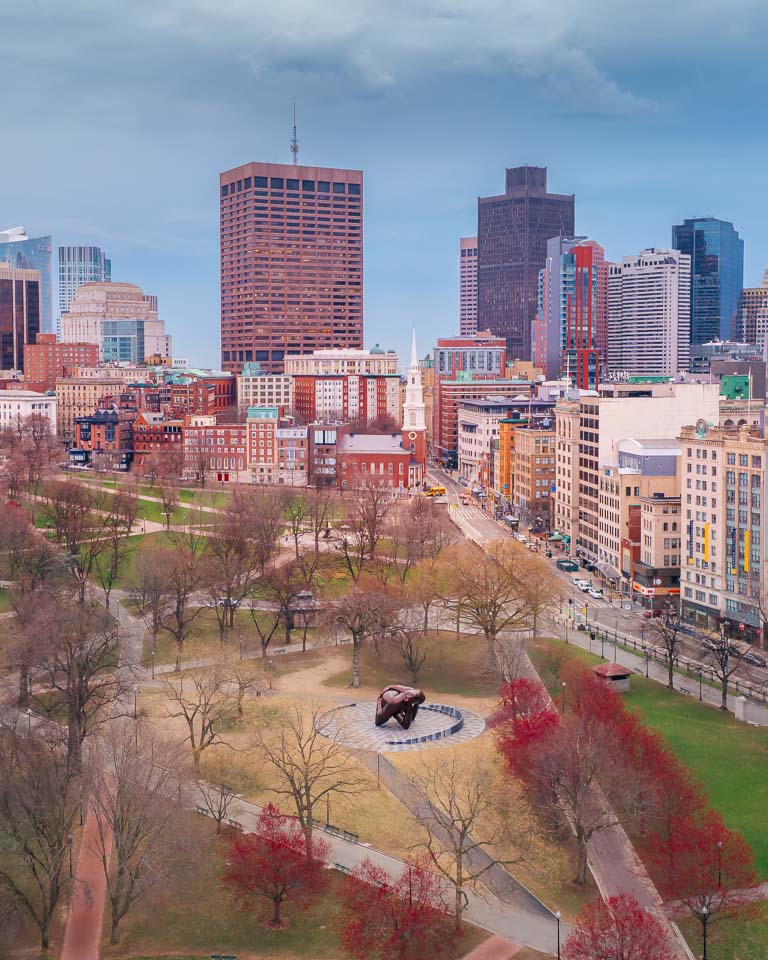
(563,686)
(557,917)
(615,638)
(602,645)
(719,864)
(700,672)
(647,659)
(70,856)
(704,921)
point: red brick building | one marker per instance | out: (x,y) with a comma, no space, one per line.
(291,262)
(106,435)
(152,433)
(351,397)
(215,450)
(373,459)
(46,361)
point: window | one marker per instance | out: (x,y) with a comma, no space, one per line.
(276,183)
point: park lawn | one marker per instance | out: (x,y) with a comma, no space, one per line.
(452,667)
(746,937)
(199,916)
(728,757)
(5,603)
(125,574)
(206,641)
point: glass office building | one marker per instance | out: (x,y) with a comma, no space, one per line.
(25,253)
(123,340)
(717,274)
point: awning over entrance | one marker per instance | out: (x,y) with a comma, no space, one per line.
(609,572)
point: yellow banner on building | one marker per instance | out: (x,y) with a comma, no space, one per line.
(746,551)
(706,543)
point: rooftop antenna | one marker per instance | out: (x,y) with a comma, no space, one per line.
(294,138)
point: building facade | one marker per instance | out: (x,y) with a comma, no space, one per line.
(119,319)
(79,265)
(717,274)
(31,253)
(478,428)
(468,286)
(751,323)
(723,574)
(79,397)
(512,234)
(46,360)
(256,388)
(533,473)
(17,405)
(215,450)
(649,313)
(20,315)
(291,262)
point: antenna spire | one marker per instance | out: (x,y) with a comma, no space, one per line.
(294,138)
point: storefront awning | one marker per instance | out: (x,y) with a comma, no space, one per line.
(609,572)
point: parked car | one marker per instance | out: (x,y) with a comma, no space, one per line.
(585,586)
(754,659)
(652,613)
(596,593)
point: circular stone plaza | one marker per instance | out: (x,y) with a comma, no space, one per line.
(435,725)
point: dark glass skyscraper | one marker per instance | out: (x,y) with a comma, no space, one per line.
(512,234)
(31,253)
(717,274)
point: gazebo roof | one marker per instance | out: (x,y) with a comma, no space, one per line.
(611,671)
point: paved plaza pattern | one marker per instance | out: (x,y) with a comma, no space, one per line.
(435,725)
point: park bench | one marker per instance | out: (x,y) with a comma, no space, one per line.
(686,691)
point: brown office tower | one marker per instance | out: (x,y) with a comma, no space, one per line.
(512,234)
(291,262)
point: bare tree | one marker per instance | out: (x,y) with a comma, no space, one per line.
(321,506)
(117,531)
(38,806)
(667,630)
(224,777)
(412,646)
(489,590)
(367,612)
(77,662)
(309,766)
(539,592)
(232,565)
(297,514)
(169,499)
(183,557)
(30,441)
(723,661)
(418,532)
(136,815)
(245,677)
(365,513)
(263,517)
(427,584)
(457,822)
(202,698)
(151,588)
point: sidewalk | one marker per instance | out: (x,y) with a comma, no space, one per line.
(82,937)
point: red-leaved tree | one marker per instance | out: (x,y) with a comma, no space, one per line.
(706,867)
(401,919)
(618,929)
(272,863)
(524,719)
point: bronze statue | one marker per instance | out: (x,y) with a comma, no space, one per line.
(399,702)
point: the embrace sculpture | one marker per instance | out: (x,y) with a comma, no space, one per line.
(399,702)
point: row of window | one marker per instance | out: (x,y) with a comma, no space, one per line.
(279,183)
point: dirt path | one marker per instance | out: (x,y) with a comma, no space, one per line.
(82,937)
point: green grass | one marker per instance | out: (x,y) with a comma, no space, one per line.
(126,571)
(5,603)
(198,916)
(742,939)
(451,667)
(728,757)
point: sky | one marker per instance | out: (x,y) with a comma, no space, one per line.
(118,116)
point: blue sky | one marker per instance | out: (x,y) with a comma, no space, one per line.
(118,117)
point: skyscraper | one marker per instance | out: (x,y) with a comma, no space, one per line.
(512,234)
(467,286)
(19,313)
(79,265)
(649,313)
(291,262)
(25,253)
(751,324)
(570,333)
(717,274)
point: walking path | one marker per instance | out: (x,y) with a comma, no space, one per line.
(495,948)
(82,937)
(755,712)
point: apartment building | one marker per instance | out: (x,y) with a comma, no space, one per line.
(79,397)
(656,575)
(214,450)
(590,426)
(723,577)
(534,475)
(18,405)
(257,388)
(478,428)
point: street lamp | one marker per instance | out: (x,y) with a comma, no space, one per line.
(647,659)
(719,864)
(70,856)
(557,917)
(704,921)
(152,655)
(563,685)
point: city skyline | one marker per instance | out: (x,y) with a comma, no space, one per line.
(638,134)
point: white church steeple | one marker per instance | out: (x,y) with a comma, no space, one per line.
(413,405)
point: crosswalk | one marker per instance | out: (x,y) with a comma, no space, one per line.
(467,513)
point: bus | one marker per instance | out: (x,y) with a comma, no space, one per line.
(434,492)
